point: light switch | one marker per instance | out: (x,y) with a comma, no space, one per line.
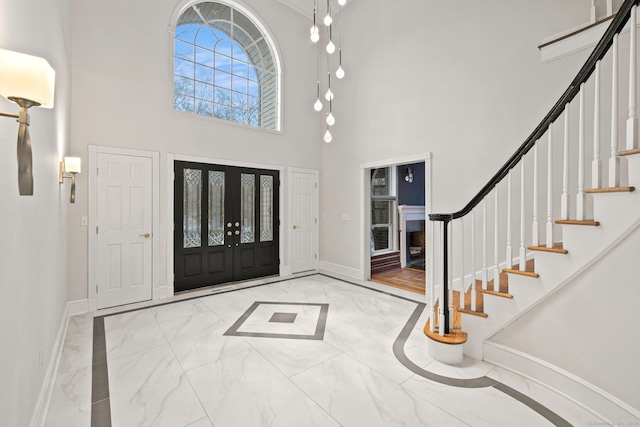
(346,217)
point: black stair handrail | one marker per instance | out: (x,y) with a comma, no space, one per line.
(601,49)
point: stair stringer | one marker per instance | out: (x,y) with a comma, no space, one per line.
(618,214)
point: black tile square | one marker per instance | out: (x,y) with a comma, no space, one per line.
(283,317)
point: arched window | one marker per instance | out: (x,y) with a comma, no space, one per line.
(225,67)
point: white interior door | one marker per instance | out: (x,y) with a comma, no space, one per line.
(305,221)
(124,233)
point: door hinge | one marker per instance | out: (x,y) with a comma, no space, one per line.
(315,184)
(96,229)
(96,289)
(315,256)
(97,171)
(316,220)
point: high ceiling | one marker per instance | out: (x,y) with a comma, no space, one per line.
(305,7)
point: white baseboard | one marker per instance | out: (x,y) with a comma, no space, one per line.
(78,307)
(41,408)
(353,273)
(285,271)
(583,393)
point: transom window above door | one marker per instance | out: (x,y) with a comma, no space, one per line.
(225,67)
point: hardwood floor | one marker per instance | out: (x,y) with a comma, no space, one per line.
(407,279)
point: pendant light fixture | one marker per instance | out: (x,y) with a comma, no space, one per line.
(328,20)
(340,70)
(331,120)
(315,31)
(330,46)
(329,95)
(327,136)
(318,104)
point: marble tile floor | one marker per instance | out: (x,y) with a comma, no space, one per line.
(321,354)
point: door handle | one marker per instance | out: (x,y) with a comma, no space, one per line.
(295,227)
(145,235)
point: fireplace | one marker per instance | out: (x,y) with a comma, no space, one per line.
(412,236)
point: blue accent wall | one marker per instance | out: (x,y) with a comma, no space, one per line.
(411,193)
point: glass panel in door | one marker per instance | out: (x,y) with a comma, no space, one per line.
(216,208)
(247,207)
(266,208)
(192,213)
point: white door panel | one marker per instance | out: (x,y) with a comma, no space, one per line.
(304,233)
(124,218)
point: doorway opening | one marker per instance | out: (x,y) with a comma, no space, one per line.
(397,219)
(226,224)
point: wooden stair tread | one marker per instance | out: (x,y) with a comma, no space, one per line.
(589,222)
(629,152)
(474,313)
(521,273)
(557,248)
(529,270)
(610,190)
(497,294)
(455,336)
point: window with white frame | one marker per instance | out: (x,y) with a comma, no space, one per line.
(383,208)
(225,67)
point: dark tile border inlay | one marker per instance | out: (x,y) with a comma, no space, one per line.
(100,404)
(318,335)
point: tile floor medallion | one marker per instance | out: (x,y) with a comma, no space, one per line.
(282,320)
(302,352)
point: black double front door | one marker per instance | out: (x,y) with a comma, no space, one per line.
(226,224)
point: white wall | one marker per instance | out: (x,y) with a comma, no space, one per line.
(33,245)
(122,97)
(462,80)
(589,327)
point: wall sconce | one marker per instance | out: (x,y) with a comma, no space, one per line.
(409,176)
(71,165)
(28,81)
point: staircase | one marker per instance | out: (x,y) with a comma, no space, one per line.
(617,213)
(546,215)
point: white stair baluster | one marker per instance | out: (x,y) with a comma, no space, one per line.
(463,286)
(485,273)
(564,208)
(509,251)
(496,243)
(535,228)
(523,249)
(581,197)
(609,7)
(596,164)
(473,260)
(549,237)
(632,121)
(614,160)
